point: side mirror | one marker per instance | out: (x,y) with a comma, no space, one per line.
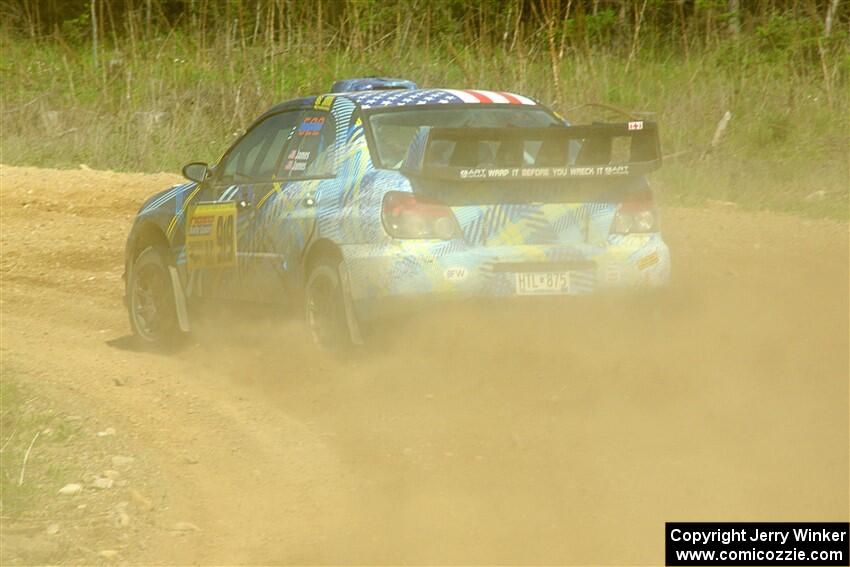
(195,171)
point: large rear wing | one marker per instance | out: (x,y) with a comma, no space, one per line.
(582,151)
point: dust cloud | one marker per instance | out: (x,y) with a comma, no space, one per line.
(564,432)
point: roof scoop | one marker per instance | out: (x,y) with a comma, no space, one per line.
(371,84)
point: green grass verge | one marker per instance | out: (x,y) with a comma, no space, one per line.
(786,146)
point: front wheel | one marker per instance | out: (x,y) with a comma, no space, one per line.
(150,300)
(325,305)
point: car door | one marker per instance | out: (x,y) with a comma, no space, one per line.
(286,217)
(245,174)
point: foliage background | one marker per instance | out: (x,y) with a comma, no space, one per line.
(150,84)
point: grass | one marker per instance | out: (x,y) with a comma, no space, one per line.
(62,449)
(14,499)
(23,417)
(158,103)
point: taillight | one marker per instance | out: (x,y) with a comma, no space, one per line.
(406,215)
(637,214)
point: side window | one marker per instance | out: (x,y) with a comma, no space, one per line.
(268,160)
(257,155)
(310,152)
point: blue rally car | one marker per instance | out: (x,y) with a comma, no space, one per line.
(381,195)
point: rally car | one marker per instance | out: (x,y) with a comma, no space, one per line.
(381,195)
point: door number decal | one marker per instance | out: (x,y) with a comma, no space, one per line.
(211,236)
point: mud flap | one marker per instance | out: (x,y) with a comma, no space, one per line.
(179,300)
(350,316)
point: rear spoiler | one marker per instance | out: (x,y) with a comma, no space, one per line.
(580,151)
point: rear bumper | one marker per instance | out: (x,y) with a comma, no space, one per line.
(405,272)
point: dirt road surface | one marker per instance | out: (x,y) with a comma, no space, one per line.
(524,436)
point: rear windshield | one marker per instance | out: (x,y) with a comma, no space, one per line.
(393,130)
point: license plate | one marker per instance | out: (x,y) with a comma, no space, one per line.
(542,283)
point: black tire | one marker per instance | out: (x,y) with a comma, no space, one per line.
(325,307)
(150,300)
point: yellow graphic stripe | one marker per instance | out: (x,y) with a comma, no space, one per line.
(182,211)
(275,189)
(324,102)
(648,261)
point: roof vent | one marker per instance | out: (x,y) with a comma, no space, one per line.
(371,84)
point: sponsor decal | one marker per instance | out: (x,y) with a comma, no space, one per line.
(455,274)
(537,172)
(636,125)
(597,170)
(297,160)
(311,126)
(473,173)
(201,225)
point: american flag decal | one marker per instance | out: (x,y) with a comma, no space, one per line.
(400,97)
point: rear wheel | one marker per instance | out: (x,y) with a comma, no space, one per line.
(150,300)
(325,306)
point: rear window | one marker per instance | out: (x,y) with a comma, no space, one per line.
(394,130)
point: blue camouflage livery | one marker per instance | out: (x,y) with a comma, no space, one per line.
(331,198)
